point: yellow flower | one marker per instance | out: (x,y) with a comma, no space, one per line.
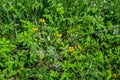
(79,47)
(114,75)
(59,35)
(42,20)
(71,49)
(35,29)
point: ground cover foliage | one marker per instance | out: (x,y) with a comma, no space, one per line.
(59,39)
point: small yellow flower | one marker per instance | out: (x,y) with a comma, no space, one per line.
(35,29)
(114,75)
(71,49)
(59,35)
(79,47)
(42,20)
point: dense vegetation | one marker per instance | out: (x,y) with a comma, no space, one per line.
(59,39)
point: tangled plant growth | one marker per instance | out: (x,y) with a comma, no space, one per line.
(59,39)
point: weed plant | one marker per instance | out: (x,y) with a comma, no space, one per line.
(59,40)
